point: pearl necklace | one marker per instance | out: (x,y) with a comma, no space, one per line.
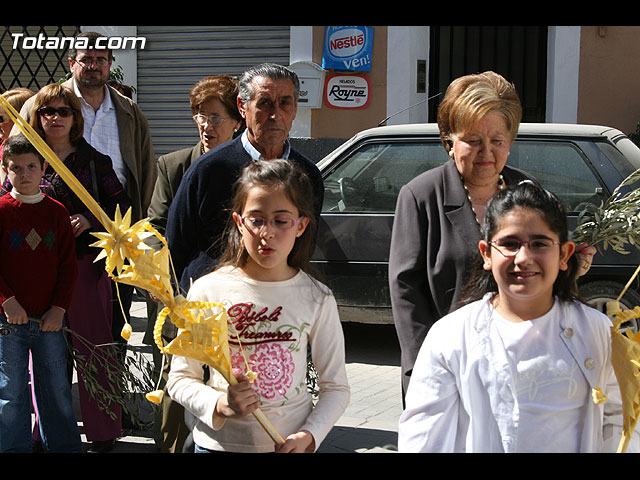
(501,186)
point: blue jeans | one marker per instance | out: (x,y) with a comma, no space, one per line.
(58,425)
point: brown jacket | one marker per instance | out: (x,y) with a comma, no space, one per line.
(171,168)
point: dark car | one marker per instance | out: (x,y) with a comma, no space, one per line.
(579,163)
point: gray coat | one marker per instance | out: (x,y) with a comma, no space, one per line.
(434,239)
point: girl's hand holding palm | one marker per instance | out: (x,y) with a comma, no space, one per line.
(239,401)
(300,442)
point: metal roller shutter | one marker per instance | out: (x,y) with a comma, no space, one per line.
(176,57)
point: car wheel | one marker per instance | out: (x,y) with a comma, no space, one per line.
(597,294)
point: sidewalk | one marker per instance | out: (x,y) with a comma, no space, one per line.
(370,423)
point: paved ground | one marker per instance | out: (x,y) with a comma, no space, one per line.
(369,425)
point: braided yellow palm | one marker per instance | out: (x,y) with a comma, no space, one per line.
(625,358)
(128,259)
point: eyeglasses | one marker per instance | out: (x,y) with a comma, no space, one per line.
(213,120)
(51,111)
(87,61)
(510,247)
(256,224)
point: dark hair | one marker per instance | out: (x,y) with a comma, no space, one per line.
(527,195)
(92,37)
(222,87)
(125,90)
(277,175)
(19,145)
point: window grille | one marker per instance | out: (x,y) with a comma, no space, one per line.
(32,68)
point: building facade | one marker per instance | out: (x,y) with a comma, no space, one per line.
(359,77)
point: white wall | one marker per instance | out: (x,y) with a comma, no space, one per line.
(405,46)
(563,64)
(301,51)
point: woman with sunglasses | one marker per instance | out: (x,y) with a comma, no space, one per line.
(57,117)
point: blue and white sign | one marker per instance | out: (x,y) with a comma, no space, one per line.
(348,48)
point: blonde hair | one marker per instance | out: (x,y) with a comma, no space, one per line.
(17,96)
(469,98)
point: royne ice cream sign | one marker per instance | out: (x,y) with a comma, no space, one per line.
(347,91)
(348,48)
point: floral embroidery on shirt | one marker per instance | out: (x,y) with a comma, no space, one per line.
(275,367)
(268,347)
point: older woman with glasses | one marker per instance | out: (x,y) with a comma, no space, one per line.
(214,107)
(215,112)
(438,214)
(57,117)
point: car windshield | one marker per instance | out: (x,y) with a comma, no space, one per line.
(561,168)
(370,178)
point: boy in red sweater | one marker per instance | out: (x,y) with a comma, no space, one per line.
(38,271)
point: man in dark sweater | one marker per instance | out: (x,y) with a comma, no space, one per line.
(268,101)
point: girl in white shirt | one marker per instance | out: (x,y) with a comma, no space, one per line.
(276,310)
(518,367)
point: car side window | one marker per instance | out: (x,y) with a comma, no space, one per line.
(561,168)
(370,178)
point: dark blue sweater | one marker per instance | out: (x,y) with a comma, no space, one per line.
(198,214)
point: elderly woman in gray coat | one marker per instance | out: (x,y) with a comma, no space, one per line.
(436,227)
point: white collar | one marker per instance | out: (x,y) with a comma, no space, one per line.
(106,104)
(255,154)
(38,197)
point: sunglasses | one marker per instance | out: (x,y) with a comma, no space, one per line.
(51,111)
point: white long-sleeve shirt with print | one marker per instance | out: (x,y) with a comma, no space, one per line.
(275,322)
